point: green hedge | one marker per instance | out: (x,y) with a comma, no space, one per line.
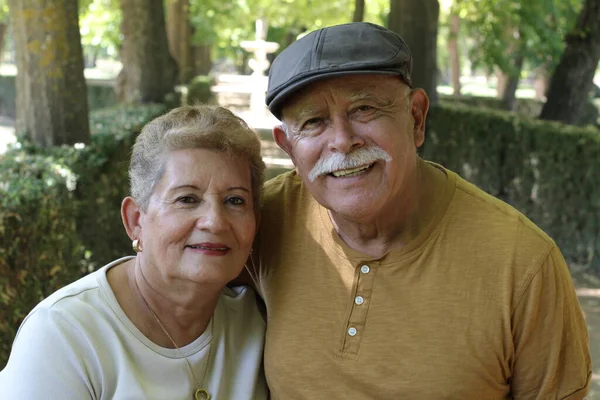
(547,170)
(7,96)
(526,107)
(60,213)
(101,94)
(198,90)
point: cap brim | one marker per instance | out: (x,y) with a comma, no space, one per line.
(276,103)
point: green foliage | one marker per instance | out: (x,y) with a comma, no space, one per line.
(218,22)
(100,26)
(546,170)
(60,212)
(3,11)
(501,29)
(99,95)
(198,90)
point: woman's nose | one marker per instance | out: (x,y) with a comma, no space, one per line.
(212,217)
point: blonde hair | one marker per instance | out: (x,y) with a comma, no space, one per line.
(202,126)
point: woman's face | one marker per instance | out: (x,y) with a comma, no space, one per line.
(200,221)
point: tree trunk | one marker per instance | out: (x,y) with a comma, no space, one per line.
(572,80)
(359,11)
(203,58)
(3,29)
(453,52)
(508,79)
(179,33)
(506,89)
(509,96)
(149,72)
(52,106)
(541,83)
(417,22)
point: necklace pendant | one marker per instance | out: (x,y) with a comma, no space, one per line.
(201,394)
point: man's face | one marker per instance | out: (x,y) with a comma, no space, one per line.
(353,141)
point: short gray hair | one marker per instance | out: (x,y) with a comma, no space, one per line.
(189,127)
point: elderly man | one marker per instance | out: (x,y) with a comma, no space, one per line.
(389,277)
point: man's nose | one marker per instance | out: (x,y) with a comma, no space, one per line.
(344,138)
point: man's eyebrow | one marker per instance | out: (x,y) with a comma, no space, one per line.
(383,100)
(307,111)
(361,95)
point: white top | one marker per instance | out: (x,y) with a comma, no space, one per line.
(79,344)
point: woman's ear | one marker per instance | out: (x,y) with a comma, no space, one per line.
(131,214)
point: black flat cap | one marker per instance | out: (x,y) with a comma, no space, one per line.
(348,49)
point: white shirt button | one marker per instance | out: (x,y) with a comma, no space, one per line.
(359,300)
(365,269)
(352,331)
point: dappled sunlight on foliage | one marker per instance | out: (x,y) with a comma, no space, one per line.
(100,26)
(55,204)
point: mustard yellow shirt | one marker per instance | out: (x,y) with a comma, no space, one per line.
(480,306)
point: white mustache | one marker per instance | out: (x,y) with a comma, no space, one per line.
(339,161)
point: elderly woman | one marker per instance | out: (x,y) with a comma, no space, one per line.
(162,324)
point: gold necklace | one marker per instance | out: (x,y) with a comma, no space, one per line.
(200,393)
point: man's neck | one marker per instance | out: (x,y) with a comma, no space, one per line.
(401,221)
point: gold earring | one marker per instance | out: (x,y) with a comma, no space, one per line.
(136,245)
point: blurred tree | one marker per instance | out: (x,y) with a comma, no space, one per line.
(217,22)
(453,50)
(3,25)
(100,26)
(572,80)
(52,106)
(149,72)
(359,11)
(179,34)
(417,22)
(509,34)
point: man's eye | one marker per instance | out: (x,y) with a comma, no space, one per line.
(364,108)
(311,123)
(235,200)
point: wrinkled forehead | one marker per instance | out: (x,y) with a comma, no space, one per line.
(348,89)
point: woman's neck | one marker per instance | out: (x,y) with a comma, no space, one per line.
(183,314)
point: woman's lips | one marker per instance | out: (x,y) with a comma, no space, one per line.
(209,248)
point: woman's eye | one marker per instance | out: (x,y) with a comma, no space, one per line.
(236,200)
(186,199)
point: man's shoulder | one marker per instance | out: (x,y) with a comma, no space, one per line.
(281,183)
(497,218)
(285,188)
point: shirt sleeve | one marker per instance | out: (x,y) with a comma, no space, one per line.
(551,344)
(46,361)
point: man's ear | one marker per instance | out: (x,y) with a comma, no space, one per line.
(282,140)
(131,214)
(419,107)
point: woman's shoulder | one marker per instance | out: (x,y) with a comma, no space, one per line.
(84,290)
(242,304)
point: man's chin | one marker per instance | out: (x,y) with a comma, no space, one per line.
(355,208)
